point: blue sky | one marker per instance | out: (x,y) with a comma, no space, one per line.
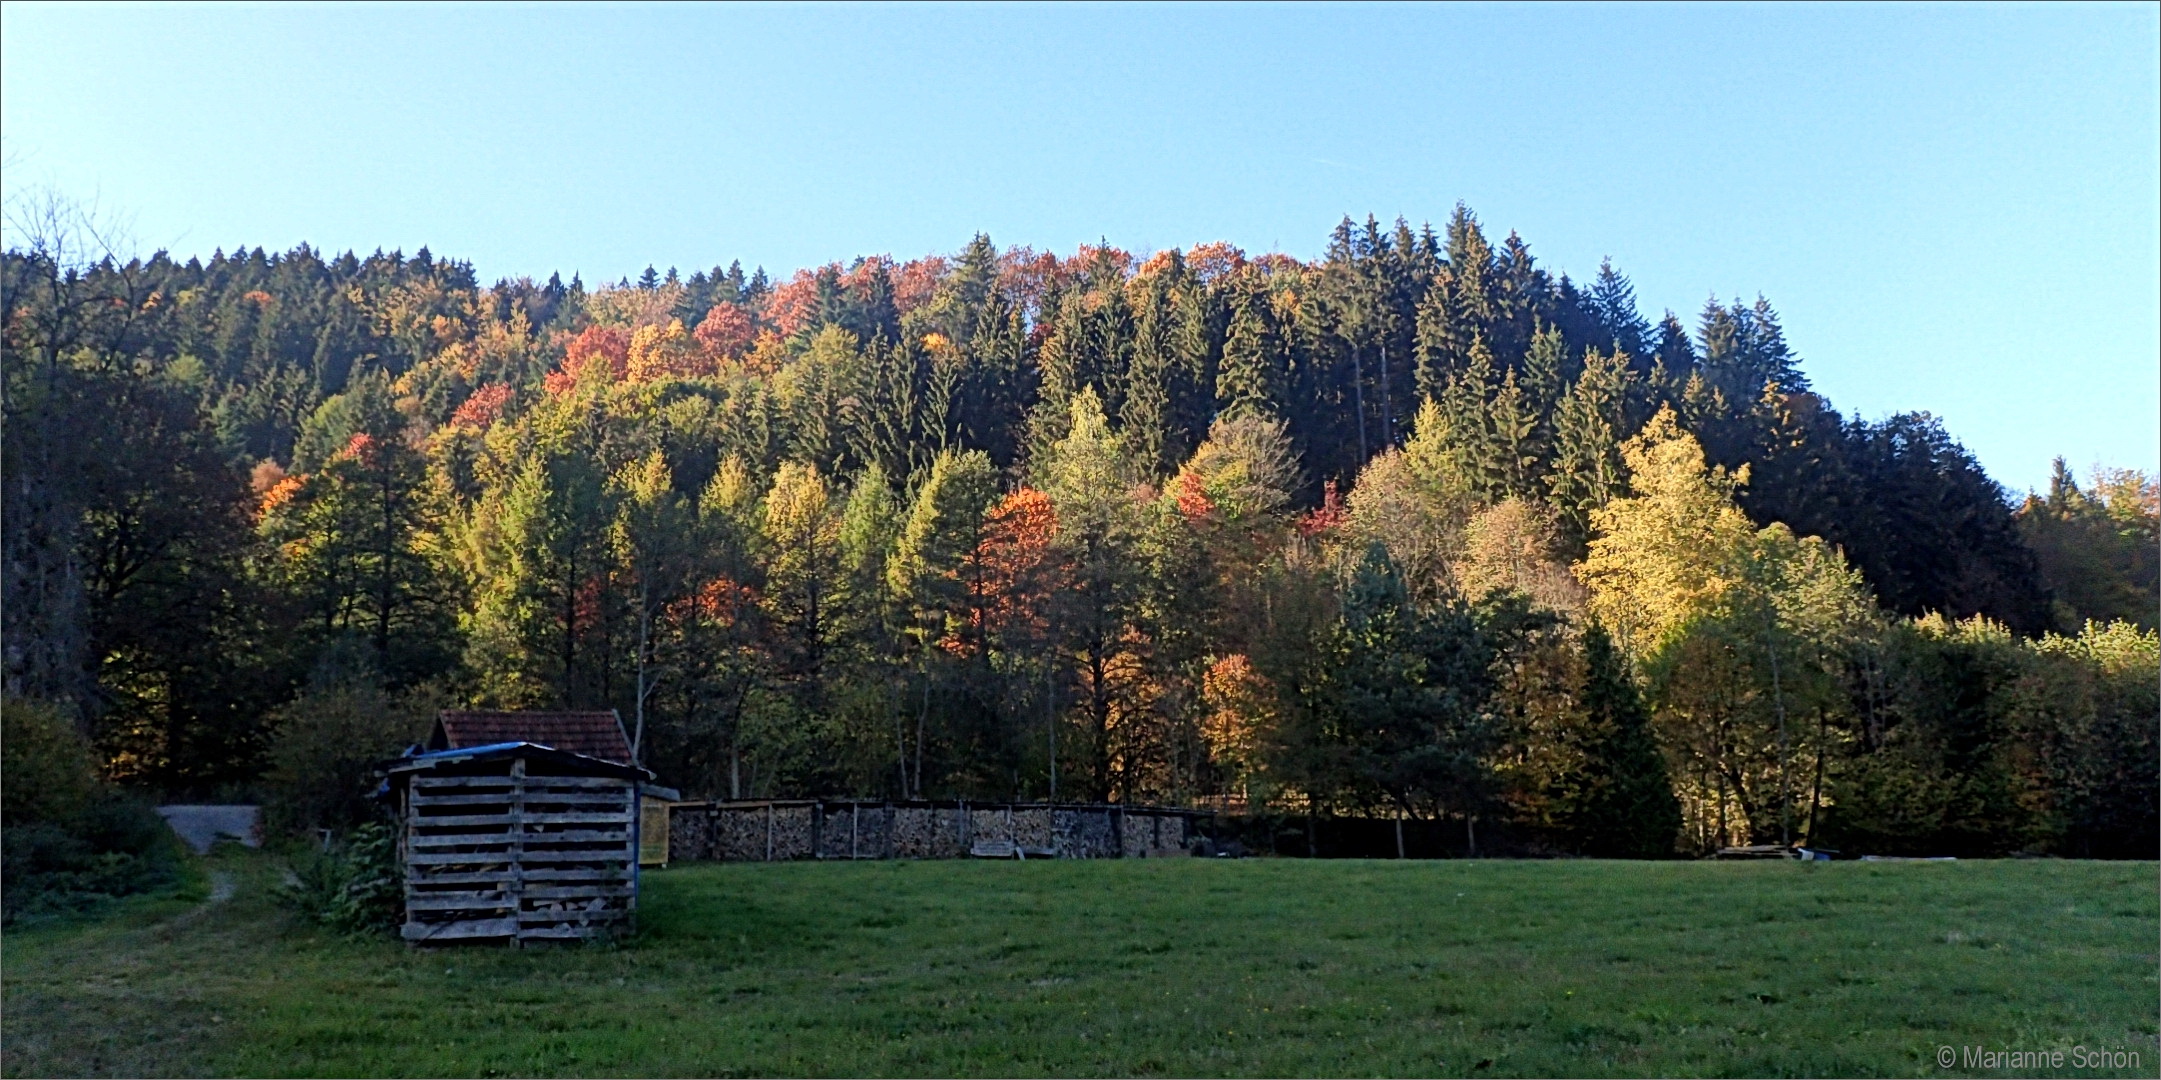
(1955,209)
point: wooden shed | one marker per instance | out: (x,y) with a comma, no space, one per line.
(516,841)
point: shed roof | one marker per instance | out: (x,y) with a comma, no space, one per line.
(398,769)
(591,734)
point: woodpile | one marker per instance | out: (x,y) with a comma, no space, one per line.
(516,843)
(690,832)
(775,830)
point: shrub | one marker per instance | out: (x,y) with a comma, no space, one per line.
(70,841)
(112,846)
(356,886)
(46,770)
(322,761)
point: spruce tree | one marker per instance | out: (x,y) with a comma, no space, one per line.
(1586,471)
(1253,375)
(1612,301)
(1545,371)
(1145,418)
(1511,453)
(1621,804)
(1434,355)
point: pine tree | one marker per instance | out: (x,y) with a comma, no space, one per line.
(1472,272)
(801,536)
(943,530)
(1196,343)
(870,525)
(1088,476)
(943,527)
(1547,374)
(1468,442)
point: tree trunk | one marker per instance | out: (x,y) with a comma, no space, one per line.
(1358,398)
(922,727)
(1815,788)
(900,749)
(1388,400)
(735,768)
(1785,748)
(570,626)
(1050,724)
(645,634)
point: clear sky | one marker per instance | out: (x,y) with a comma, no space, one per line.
(1954,208)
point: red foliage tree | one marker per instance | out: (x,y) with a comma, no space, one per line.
(482,407)
(609,343)
(606,346)
(793,302)
(914,282)
(1212,261)
(1326,516)
(726,333)
(1011,575)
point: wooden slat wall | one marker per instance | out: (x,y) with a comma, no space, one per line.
(518,857)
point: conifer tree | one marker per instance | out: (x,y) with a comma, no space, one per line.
(1088,476)
(1510,453)
(1612,300)
(944,528)
(1587,433)
(801,537)
(1146,419)
(1436,357)
(1254,374)
(1621,804)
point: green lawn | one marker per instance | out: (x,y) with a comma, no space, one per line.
(1182,967)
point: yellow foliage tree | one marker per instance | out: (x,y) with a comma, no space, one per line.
(659,352)
(1672,549)
(802,538)
(1741,633)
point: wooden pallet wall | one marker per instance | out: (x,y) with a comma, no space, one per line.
(518,857)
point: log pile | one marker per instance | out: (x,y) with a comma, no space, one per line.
(776,830)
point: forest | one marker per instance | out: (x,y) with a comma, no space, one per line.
(1417,529)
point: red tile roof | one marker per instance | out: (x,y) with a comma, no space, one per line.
(594,734)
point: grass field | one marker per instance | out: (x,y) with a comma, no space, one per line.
(1182,967)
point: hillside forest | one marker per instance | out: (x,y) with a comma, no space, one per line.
(1417,529)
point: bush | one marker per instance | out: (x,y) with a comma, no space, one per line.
(114,846)
(328,742)
(69,841)
(47,772)
(357,886)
